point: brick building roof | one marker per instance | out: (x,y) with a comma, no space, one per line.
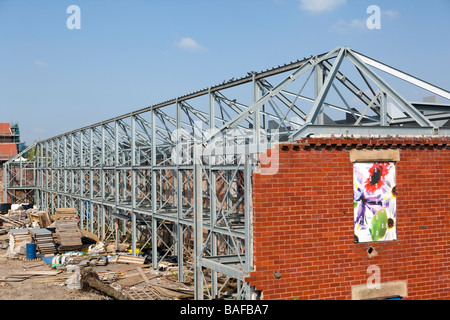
(7,150)
(4,128)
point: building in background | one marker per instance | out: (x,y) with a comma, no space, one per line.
(10,144)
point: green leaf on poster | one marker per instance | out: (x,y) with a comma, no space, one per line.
(379,225)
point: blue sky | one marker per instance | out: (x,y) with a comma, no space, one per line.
(131,54)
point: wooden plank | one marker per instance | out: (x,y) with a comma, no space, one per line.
(14,222)
(130,281)
(130,259)
(66,210)
(172,293)
(147,282)
(13,279)
(89,235)
(65,213)
(126,267)
(38,273)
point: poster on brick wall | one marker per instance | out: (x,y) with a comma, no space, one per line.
(374,201)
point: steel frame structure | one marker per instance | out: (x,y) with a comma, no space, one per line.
(178,175)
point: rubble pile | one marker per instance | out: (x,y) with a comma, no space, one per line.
(68,256)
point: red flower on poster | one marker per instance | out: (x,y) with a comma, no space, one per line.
(376,176)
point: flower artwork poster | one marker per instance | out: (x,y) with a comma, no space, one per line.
(374,201)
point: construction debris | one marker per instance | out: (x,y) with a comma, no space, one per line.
(21,276)
(44,240)
(90,279)
(18,239)
(124,258)
(68,233)
(77,259)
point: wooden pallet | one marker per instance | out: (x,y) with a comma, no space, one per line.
(42,217)
(141,293)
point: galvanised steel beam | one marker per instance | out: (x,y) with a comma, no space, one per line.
(348,131)
(403,75)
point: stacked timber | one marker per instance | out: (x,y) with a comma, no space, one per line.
(65,213)
(67,231)
(44,240)
(17,236)
(69,234)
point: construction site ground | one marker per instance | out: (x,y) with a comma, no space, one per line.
(30,289)
(83,274)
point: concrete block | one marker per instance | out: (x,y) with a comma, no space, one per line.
(374,155)
(385,290)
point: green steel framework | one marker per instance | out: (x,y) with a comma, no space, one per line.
(179,173)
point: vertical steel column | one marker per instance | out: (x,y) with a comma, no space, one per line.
(318,83)
(133,184)
(36,174)
(257,115)
(116,163)
(213,194)
(72,169)
(40,186)
(47,175)
(58,169)
(198,225)
(248,221)
(65,164)
(81,193)
(179,230)
(20,172)
(383,110)
(42,169)
(91,179)
(53,175)
(5,191)
(154,192)
(102,180)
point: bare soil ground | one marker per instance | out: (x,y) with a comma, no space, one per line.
(31,288)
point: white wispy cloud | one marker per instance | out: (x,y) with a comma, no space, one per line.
(390,14)
(343,26)
(40,64)
(189,44)
(318,6)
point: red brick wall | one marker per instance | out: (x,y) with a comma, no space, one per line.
(2,186)
(303,222)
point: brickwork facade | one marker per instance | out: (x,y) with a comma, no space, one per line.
(303,222)
(2,185)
